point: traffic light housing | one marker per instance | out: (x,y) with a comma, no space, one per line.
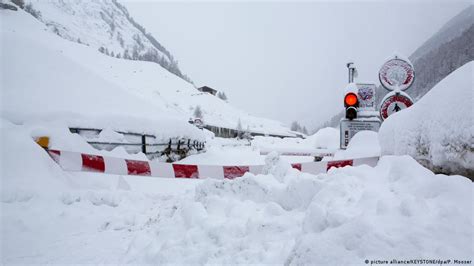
(351,102)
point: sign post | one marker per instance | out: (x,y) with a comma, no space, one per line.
(366,117)
(396,75)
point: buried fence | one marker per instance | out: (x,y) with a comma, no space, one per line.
(223,132)
(148,144)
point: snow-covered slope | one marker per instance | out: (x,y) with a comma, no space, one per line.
(455,27)
(47,79)
(45,76)
(437,130)
(104,25)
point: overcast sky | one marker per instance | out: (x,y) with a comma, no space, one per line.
(286,60)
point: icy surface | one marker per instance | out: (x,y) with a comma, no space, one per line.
(438,129)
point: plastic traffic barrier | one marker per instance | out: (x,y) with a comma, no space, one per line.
(76,161)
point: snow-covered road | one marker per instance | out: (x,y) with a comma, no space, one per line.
(396,210)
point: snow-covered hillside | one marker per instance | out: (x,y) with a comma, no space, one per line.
(105,25)
(438,129)
(46,77)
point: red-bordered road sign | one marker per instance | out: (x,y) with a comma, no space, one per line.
(393,104)
(397,73)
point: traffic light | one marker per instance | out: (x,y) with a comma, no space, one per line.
(351,102)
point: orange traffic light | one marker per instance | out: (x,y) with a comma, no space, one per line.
(351,102)
(350,99)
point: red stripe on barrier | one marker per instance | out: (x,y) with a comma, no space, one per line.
(138,167)
(231,172)
(338,164)
(54,154)
(185,171)
(93,162)
(296,166)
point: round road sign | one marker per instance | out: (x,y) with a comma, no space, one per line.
(394,103)
(396,73)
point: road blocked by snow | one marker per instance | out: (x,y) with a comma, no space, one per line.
(350,214)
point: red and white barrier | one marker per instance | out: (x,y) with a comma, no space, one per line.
(74,161)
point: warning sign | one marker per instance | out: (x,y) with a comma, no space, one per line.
(394,103)
(350,127)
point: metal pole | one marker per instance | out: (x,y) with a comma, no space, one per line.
(350,69)
(143,144)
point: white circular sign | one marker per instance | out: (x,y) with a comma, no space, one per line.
(393,104)
(396,74)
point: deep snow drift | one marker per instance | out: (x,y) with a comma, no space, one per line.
(397,209)
(438,129)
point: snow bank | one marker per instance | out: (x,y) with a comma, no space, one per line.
(364,144)
(25,167)
(325,138)
(396,210)
(437,130)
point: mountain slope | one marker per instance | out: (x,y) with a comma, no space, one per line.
(51,78)
(104,25)
(449,49)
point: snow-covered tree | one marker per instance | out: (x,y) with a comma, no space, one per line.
(35,13)
(295,126)
(126,55)
(19,3)
(198,112)
(304,130)
(239,126)
(221,95)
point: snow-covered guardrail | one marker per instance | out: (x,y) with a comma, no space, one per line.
(76,161)
(146,143)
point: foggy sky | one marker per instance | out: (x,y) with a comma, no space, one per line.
(286,60)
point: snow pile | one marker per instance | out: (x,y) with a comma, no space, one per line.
(364,144)
(325,138)
(25,167)
(437,130)
(396,210)
(221,151)
(275,142)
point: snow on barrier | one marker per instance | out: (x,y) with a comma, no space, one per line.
(75,161)
(298,152)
